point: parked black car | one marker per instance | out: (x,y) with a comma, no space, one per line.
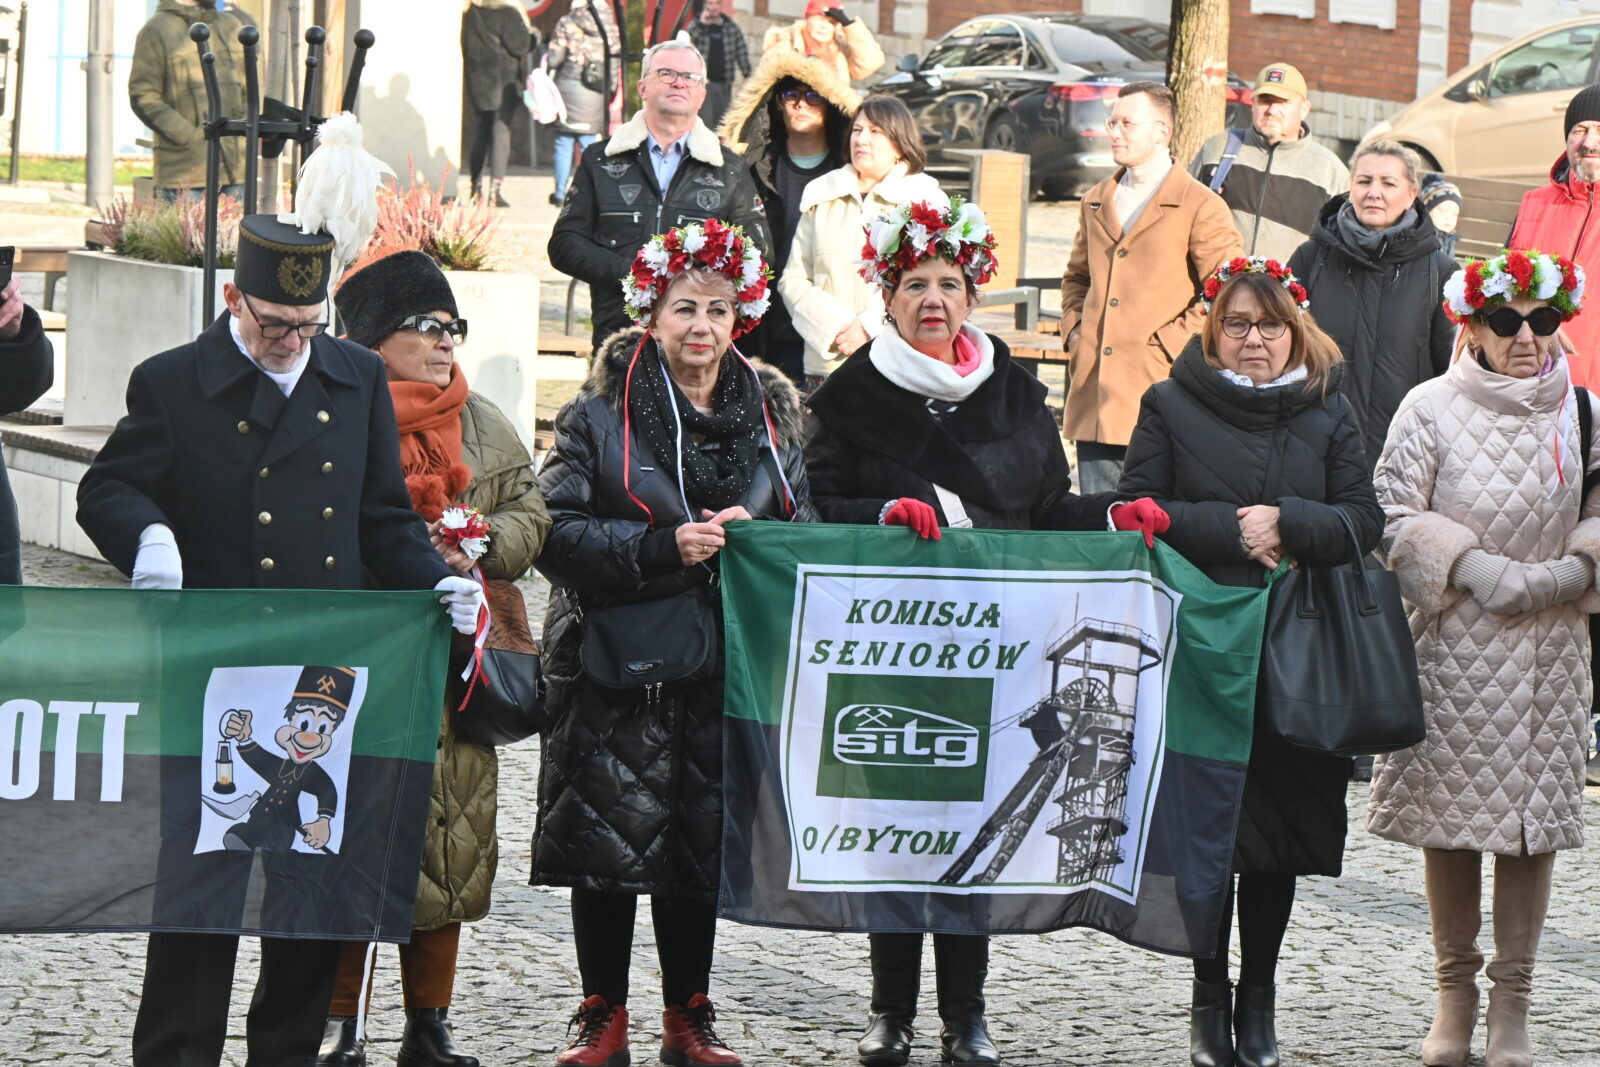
(1040,83)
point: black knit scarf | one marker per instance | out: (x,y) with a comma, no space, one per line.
(717,473)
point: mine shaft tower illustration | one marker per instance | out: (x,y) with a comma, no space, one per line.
(1084,734)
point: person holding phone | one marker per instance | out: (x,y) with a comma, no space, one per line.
(27,367)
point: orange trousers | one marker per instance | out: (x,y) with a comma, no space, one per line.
(427,971)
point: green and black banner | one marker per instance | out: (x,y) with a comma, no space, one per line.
(997,732)
(254,762)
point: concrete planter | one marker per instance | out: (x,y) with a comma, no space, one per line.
(123,312)
(501,356)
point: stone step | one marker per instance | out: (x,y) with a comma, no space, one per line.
(45,462)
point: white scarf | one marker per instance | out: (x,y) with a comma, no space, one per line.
(1298,374)
(924,375)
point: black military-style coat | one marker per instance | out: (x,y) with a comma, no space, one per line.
(261,490)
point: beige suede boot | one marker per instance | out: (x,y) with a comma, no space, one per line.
(1454,879)
(1521,899)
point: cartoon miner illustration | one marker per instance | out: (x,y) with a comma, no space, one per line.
(313,713)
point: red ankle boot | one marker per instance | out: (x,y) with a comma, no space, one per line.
(602,1039)
(688,1039)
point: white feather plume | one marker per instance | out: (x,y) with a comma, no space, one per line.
(338,190)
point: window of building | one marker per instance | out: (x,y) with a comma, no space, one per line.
(1379,13)
(1300,9)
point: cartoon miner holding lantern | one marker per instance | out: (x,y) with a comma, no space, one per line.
(313,713)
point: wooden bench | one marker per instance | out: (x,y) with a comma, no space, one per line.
(564,344)
(49,261)
(1488,208)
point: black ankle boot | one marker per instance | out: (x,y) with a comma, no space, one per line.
(1211,1024)
(961,965)
(887,1042)
(499,201)
(428,1042)
(340,1046)
(1256,1037)
(896,981)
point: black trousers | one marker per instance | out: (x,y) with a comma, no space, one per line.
(188,979)
(602,930)
(491,137)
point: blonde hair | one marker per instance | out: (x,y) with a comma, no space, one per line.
(1394,150)
(1310,347)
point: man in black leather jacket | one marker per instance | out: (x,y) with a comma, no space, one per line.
(664,168)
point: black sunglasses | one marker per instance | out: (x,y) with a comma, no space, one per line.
(432,329)
(809,96)
(1507,322)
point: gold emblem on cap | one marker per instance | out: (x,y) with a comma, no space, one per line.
(299,275)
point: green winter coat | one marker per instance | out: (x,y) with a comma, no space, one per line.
(459,856)
(168,93)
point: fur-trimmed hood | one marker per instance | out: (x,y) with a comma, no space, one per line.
(610,369)
(701,142)
(748,120)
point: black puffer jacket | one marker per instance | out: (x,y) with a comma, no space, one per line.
(1387,313)
(871,441)
(1203,448)
(630,792)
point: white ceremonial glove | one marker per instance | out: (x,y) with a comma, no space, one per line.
(158,564)
(463,598)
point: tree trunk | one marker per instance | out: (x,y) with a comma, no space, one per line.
(1197,72)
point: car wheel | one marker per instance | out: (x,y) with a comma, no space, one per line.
(1003,135)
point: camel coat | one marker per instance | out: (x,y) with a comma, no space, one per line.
(1134,297)
(1470,465)
(822,285)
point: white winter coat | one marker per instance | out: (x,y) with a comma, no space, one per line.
(821,284)
(1470,463)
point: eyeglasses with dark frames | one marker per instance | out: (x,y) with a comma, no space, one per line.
(1239,329)
(805,96)
(1507,322)
(433,329)
(277,331)
(667,76)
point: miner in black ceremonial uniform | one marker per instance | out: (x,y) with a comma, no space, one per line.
(262,455)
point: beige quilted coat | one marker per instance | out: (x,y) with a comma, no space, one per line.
(1469,463)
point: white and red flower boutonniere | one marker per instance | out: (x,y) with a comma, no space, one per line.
(466,530)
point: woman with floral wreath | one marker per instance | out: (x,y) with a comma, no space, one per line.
(1256,454)
(1483,484)
(931,424)
(674,435)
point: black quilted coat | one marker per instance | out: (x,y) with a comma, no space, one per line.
(630,791)
(1386,313)
(1203,448)
(872,441)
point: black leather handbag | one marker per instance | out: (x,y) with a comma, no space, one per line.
(504,702)
(651,643)
(1338,666)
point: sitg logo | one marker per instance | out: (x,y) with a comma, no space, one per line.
(905,737)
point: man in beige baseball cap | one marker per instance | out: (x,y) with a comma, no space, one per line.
(1272,176)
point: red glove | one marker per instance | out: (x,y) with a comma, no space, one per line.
(915,514)
(1143,514)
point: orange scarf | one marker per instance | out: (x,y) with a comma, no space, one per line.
(430,441)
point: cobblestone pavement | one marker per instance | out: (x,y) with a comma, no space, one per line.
(1355,976)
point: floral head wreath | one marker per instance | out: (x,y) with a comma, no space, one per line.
(1493,282)
(902,237)
(711,245)
(1254,265)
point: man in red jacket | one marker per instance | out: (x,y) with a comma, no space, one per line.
(1557,218)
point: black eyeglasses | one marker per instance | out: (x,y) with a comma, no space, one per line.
(1239,329)
(432,329)
(1507,322)
(802,96)
(277,331)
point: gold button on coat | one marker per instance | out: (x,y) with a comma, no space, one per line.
(328,563)
(244,427)
(267,564)
(322,416)
(327,468)
(265,518)
(263,472)
(327,513)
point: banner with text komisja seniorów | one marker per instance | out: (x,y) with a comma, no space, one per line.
(250,762)
(997,732)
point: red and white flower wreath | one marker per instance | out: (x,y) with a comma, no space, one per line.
(902,237)
(712,245)
(1254,265)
